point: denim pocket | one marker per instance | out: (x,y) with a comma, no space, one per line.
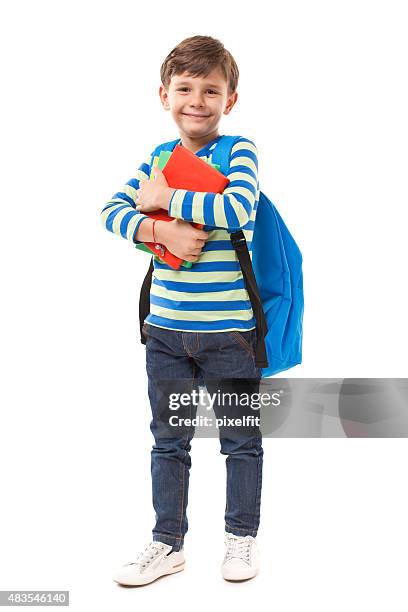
(245,339)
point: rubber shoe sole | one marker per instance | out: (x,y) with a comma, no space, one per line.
(141,580)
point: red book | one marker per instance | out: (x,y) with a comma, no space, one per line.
(185,170)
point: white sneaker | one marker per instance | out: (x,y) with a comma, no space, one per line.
(153,562)
(241,559)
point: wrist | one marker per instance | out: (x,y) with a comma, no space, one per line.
(167,195)
(160,231)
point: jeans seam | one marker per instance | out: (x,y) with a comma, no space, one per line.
(184,346)
(258,485)
(166,535)
(243,343)
(256,515)
(184,467)
(257,495)
(181,493)
(226,497)
(239,528)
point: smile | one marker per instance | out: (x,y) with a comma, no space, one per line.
(196,116)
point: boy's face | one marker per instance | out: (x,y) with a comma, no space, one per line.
(197,103)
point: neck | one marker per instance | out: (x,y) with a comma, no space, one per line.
(195,144)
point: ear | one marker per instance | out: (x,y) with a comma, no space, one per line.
(230,103)
(164,97)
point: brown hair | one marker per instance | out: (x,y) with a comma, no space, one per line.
(198,56)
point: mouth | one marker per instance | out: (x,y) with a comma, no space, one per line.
(195,116)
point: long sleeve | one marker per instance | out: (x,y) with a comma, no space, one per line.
(232,209)
(119,215)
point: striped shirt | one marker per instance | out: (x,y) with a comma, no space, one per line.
(211,295)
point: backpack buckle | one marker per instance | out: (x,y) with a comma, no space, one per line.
(237,239)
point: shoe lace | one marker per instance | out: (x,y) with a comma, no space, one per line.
(238,547)
(146,556)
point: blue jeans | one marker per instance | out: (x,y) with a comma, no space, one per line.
(191,359)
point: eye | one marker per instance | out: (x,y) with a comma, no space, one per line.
(211,91)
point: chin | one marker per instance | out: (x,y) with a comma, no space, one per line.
(196,128)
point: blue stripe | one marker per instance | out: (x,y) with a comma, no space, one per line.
(208,209)
(170,203)
(209,266)
(145,168)
(222,245)
(194,305)
(201,326)
(230,214)
(109,205)
(250,225)
(243,170)
(243,139)
(124,196)
(125,222)
(134,182)
(199,287)
(245,153)
(244,184)
(111,217)
(187,206)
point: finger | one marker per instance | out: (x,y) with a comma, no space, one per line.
(201,235)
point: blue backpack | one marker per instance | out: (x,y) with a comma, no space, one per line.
(274,279)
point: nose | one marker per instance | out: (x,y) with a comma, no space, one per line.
(196,99)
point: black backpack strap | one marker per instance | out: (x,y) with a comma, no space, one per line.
(144,301)
(239,243)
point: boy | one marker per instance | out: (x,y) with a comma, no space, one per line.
(201,325)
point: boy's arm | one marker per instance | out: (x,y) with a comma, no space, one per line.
(119,215)
(231,209)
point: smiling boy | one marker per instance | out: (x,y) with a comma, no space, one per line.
(201,326)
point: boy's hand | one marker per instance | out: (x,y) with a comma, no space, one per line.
(153,195)
(181,238)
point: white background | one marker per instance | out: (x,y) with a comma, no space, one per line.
(323,95)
